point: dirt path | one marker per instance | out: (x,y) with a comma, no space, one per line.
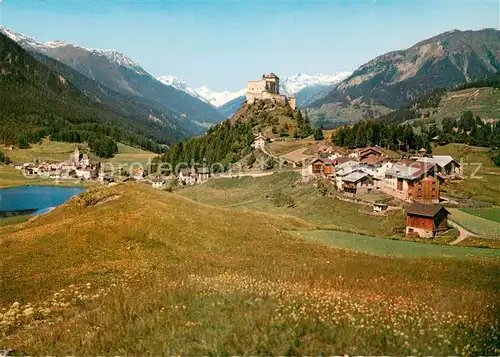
(462,233)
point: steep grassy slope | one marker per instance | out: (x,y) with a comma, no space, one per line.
(129,270)
(483,102)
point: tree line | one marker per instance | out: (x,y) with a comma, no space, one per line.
(386,135)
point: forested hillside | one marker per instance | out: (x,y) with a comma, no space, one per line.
(230,141)
(36,102)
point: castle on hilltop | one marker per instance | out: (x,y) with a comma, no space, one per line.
(268,87)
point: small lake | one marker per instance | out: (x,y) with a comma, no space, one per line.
(33,200)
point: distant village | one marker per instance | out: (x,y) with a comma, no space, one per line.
(79,166)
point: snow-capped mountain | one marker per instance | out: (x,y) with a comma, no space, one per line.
(293,84)
(119,73)
(178,84)
(288,85)
(217,99)
(49,47)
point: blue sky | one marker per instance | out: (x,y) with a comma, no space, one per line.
(222,44)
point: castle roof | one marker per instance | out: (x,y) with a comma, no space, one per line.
(271,75)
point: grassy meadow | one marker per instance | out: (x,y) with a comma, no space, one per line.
(264,193)
(491,213)
(485,185)
(376,246)
(132,270)
(475,224)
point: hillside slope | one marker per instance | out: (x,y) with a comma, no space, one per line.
(443,61)
(133,270)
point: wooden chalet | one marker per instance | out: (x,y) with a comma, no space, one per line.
(426,220)
(322,166)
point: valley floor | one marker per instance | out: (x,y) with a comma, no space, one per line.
(132,270)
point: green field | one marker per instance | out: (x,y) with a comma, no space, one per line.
(484,186)
(475,224)
(249,193)
(492,213)
(377,246)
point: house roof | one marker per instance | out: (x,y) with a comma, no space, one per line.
(410,170)
(440,160)
(356,176)
(324,160)
(374,160)
(373,149)
(341,160)
(424,210)
(260,136)
(203,170)
(186,172)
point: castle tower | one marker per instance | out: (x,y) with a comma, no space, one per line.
(76,156)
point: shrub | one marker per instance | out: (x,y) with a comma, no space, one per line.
(4,159)
(268,164)
(322,187)
(280,199)
(318,134)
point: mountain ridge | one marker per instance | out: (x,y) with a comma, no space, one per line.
(119,73)
(398,77)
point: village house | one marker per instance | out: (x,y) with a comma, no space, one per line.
(203,174)
(321,167)
(259,142)
(357,183)
(188,176)
(335,154)
(402,177)
(157,182)
(138,173)
(425,221)
(446,165)
(268,87)
(380,207)
(365,153)
(426,190)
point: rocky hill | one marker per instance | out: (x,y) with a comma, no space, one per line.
(230,141)
(443,61)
